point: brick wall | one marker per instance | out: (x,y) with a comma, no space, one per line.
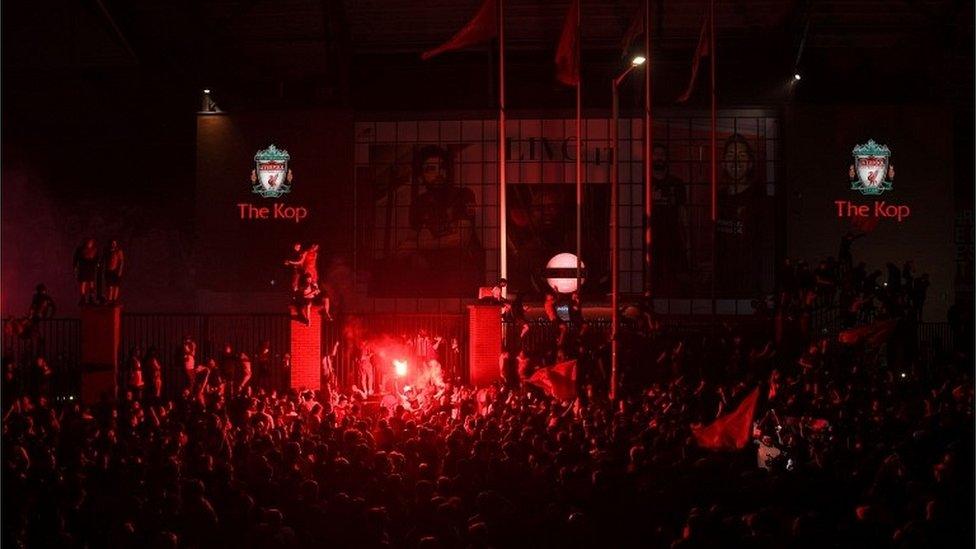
(99,351)
(306,353)
(484,343)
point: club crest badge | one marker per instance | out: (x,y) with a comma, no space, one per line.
(872,172)
(271,177)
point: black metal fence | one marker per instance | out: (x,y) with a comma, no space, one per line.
(542,334)
(935,342)
(165,333)
(59,340)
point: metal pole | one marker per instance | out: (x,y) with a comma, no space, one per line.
(711,57)
(714,163)
(614,248)
(579,149)
(648,154)
(502,198)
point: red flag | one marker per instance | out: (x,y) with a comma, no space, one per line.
(558,381)
(483,27)
(873,334)
(700,52)
(731,431)
(634,30)
(568,51)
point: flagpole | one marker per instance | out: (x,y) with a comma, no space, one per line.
(714,156)
(579,148)
(502,197)
(711,57)
(614,236)
(648,152)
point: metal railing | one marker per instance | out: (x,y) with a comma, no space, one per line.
(935,342)
(58,340)
(376,325)
(165,333)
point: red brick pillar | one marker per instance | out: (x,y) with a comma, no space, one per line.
(306,353)
(100,329)
(484,343)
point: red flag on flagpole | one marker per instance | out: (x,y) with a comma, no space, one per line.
(558,381)
(731,431)
(481,28)
(634,30)
(701,52)
(873,334)
(568,51)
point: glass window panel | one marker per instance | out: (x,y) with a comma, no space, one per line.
(551,172)
(471,152)
(596,128)
(512,173)
(429,130)
(531,172)
(623,172)
(471,130)
(362,153)
(637,129)
(471,173)
(530,128)
(624,154)
(450,130)
(407,131)
(365,132)
(386,131)
(554,130)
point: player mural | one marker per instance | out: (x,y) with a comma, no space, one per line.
(742,216)
(422,225)
(427,205)
(542,223)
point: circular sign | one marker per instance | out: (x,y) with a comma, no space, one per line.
(561,273)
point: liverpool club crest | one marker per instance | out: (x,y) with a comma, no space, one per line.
(872,172)
(271,177)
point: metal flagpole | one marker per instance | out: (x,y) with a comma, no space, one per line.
(614,252)
(579,147)
(714,163)
(615,232)
(711,57)
(502,199)
(648,152)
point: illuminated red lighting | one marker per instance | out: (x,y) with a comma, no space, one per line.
(400,367)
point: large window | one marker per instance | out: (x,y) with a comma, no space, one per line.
(427,204)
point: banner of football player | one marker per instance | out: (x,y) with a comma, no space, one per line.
(427,205)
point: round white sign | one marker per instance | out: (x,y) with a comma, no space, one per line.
(561,273)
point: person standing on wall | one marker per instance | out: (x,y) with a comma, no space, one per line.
(86,270)
(113,261)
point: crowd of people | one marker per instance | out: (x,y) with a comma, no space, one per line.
(426,360)
(849,447)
